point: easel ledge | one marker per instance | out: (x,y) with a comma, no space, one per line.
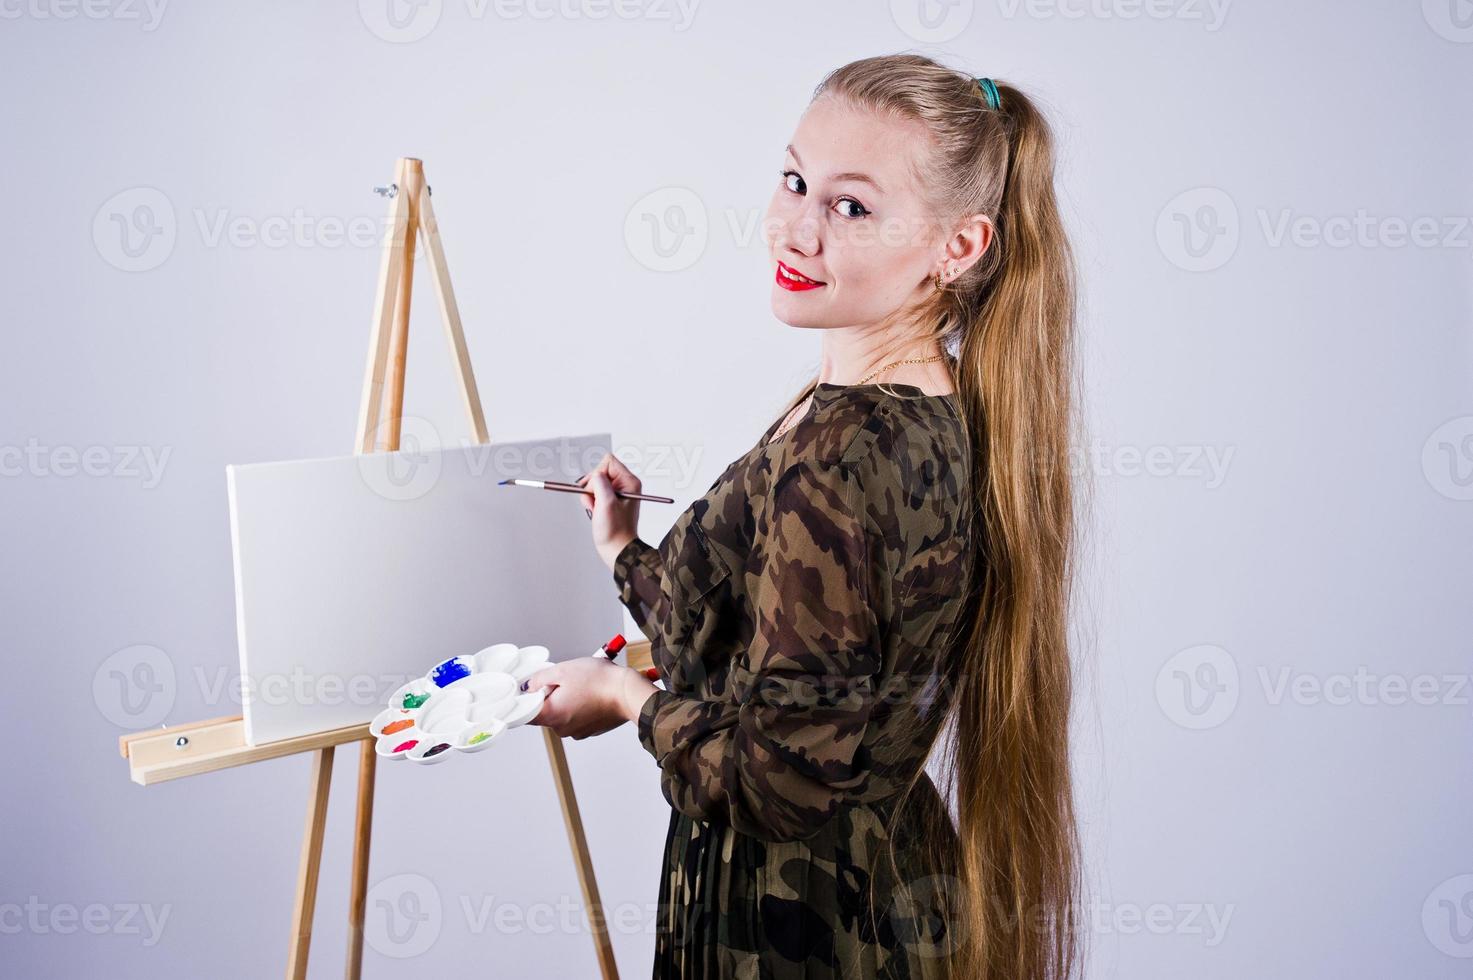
(154,756)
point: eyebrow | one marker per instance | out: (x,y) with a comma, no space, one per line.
(866,178)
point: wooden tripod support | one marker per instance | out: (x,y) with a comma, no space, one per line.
(158,755)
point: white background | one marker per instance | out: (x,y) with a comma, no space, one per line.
(1325,822)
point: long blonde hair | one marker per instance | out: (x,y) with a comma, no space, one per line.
(1009,321)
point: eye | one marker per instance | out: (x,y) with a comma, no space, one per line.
(849,207)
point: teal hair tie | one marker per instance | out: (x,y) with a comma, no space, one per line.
(989,91)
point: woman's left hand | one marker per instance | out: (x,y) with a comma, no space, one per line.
(588,696)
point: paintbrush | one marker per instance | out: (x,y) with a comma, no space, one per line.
(575,488)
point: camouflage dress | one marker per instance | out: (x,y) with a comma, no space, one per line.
(798,614)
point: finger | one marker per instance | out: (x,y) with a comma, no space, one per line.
(549,676)
(550,714)
(621,476)
(584,478)
(602,486)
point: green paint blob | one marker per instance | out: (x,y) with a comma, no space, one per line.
(415,700)
(480,737)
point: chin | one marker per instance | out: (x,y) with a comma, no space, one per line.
(794,314)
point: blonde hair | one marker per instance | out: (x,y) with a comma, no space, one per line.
(1008,320)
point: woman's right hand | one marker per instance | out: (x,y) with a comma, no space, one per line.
(615,520)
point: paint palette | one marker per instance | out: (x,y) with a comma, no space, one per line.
(461,705)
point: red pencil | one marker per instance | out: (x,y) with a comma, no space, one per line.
(610,650)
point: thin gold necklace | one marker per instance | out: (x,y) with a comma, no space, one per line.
(913,360)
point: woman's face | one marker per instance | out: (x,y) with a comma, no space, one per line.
(846,214)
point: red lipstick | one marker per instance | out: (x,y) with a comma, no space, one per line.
(793,280)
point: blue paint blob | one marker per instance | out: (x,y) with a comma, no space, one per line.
(449,672)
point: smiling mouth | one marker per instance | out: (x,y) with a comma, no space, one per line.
(790,278)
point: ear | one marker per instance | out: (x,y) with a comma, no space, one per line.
(969,242)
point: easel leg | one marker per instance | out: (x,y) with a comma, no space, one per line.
(384,380)
(414,181)
(362,834)
(563,778)
(429,228)
(389,273)
(311,862)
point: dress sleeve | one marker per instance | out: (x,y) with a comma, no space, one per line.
(637,573)
(780,754)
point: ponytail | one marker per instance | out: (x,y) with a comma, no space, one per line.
(1010,767)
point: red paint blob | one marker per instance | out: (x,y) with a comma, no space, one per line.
(407,745)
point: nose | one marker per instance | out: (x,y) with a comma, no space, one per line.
(798,230)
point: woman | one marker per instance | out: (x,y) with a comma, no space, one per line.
(893,552)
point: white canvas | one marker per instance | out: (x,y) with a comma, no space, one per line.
(354,574)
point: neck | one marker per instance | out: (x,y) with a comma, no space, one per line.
(853,353)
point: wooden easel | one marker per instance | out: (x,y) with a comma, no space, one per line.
(185,750)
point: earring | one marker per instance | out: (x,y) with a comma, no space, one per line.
(949,275)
